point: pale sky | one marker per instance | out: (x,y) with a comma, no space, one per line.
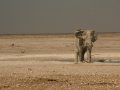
(58,16)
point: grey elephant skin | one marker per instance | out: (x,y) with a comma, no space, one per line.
(84,40)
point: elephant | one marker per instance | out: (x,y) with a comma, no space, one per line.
(84,40)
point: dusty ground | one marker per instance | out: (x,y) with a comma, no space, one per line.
(46,62)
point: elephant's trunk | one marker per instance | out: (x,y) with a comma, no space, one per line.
(88,42)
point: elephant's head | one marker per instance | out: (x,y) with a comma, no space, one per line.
(89,37)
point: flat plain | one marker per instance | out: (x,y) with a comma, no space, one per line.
(46,62)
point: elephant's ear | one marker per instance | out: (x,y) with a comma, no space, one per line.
(94,36)
(78,33)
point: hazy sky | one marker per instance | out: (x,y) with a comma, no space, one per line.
(58,16)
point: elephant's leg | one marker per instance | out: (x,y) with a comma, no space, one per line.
(81,55)
(89,55)
(84,50)
(76,57)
